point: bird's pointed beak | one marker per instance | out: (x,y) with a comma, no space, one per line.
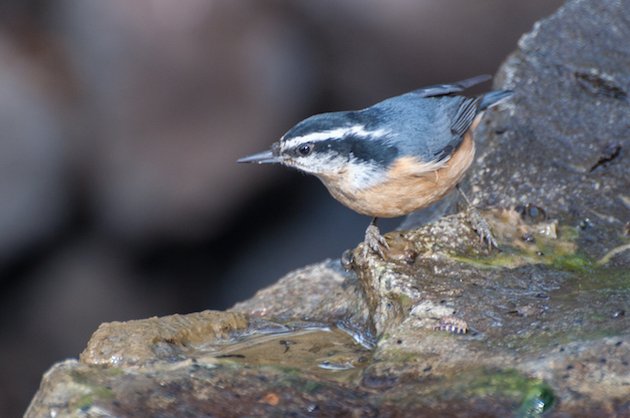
(265,157)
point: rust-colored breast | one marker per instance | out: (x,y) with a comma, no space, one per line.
(410,185)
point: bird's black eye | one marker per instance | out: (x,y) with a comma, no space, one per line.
(305,149)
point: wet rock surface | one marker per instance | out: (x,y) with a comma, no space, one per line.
(563,144)
(442,326)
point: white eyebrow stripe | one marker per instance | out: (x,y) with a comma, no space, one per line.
(356,130)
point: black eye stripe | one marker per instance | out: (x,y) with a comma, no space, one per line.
(362,149)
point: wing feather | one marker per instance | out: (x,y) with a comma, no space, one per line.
(465,116)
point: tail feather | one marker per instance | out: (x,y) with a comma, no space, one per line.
(450,88)
(493,98)
(473,81)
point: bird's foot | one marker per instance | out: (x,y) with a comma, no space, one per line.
(480,225)
(374,242)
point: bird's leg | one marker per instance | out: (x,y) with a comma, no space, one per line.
(479,224)
(374,241)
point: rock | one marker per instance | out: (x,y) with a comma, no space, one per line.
(442,326)
(563,143)
(119,344)
(322,292)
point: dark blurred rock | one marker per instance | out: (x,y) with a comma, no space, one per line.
(173,93)
(542,333)
(33,156)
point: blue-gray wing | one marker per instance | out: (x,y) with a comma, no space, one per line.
(430,123)
(458,86)
(471,107)
(460,112)
(429,129)
(464,116)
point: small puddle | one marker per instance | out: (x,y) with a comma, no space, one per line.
(322,351)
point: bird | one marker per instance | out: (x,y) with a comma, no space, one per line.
(393,158)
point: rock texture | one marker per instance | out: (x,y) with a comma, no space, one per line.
(563,144)
(442,326)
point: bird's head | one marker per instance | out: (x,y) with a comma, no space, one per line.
(330,144)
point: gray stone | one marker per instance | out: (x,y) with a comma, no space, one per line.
(565,137)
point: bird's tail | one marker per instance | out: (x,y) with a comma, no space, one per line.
(493,98)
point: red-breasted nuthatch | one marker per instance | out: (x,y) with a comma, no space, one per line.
(390,159)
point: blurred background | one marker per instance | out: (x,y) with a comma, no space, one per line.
(120,124)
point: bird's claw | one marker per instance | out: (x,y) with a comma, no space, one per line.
(480,225)
(374,242)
